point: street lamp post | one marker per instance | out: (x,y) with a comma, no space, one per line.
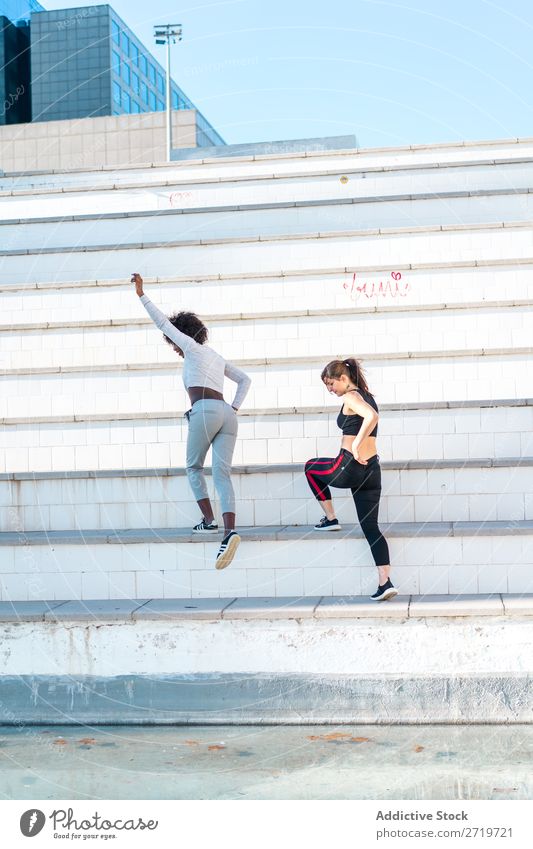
(168,34)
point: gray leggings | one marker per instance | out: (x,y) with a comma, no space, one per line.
(212,423)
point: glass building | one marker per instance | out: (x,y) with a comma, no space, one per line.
(85,62)
(15,99)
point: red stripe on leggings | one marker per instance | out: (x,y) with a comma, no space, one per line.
(324,472)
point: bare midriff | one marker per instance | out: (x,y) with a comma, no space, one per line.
(367,448)
(197,393)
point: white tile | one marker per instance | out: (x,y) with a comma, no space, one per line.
(463,579)
(289,582)
(493,579)
(123,585)
(176,584)
(150,584)
(260,582)
(318,581)
(434,580)
(95,585)
(520,578)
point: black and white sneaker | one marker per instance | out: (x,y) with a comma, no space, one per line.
(227,549)
(326,524)
(384,592)
(204,527)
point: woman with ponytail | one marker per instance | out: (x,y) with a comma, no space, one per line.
(356,467)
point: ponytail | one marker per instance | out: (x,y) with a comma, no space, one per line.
(349,367)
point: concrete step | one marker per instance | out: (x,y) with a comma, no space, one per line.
(258,293)
(268,608)
(335,213)
(385,161)
(378,334)
(289,660)
(422,491)
(222,192)
(428,558)
(492,429)
(201,257)
(302,217)
(276,383)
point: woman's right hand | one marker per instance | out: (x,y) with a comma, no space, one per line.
(137,279)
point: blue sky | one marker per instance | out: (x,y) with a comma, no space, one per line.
(392,73)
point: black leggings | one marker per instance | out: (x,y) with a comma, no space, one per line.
(364,482)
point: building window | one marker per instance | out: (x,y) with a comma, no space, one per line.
(160,105)
(134,53)
(115,32)
(175,100)
(144,92)
(125,44)
(152,74)
(144,66)
(135,83)
(126,101)
(126,73)
(116,63)
(152,101)
(117,93)
(160,83)
(135,107)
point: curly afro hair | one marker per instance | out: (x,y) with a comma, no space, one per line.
(190,324)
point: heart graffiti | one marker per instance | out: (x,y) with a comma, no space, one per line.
(374,289)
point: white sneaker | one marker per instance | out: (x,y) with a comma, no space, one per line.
(227,550)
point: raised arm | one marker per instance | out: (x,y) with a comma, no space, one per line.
(161,321)
(243,383)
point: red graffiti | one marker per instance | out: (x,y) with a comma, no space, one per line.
(374,289)
(177,197)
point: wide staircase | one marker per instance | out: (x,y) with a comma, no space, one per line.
(416,260)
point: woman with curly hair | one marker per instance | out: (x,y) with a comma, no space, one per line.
(356,467)
(212,422)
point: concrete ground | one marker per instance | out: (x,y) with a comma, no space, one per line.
(282,762)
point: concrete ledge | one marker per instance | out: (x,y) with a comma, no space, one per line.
(259,699)
(27,611)
(280,411)
(267,533)
(271,468)
(271,608)
(249,207)
(221,179)
(245,240)
(222,661)
(104,610)
(267,607)
(173,368)
(513,262)
(465,605)
(182,608)
(111,323)
(350,607)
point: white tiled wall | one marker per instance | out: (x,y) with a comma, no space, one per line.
(409,495)
(292,384)
(302,336)
(301,279)
(269,221)
(310,567)
(292,254)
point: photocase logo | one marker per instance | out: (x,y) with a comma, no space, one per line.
(32,822)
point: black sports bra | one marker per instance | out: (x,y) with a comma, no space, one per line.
(351,425)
